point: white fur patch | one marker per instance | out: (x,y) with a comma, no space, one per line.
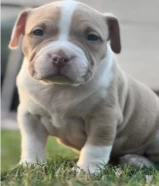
(106,68)
(63,45)
(33,139)
(93,157)
(33,151)
(67,10)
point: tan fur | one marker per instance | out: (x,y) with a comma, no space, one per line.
(107,108)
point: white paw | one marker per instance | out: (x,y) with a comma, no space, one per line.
(31,163)
(93,158)
(92,168)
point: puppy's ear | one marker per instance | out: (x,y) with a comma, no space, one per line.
(19,29)
(114,33)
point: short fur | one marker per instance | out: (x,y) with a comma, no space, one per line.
(88,103)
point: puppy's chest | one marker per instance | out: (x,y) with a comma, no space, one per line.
(60,105)
(65,118)
(69,128)
(59,116)
(63,112)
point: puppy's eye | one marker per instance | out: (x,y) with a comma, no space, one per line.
(38,32)
(93,37)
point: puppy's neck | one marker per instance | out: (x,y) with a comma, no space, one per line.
(109,59)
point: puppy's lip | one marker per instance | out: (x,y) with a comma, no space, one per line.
(56,78)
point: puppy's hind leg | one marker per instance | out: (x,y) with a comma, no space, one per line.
(136,160)
(152,151)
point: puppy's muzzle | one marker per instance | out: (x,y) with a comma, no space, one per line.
(60,62)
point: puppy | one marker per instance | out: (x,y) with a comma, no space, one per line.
(71,87)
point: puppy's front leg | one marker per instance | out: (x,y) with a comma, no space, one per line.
(34,137)
(101,136)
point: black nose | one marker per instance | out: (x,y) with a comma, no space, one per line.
(60,60)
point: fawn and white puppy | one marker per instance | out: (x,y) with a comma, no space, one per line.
(71,87)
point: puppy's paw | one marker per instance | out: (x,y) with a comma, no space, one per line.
(136,160)
(31,163)
(91,168)
(27,164)
(78,171)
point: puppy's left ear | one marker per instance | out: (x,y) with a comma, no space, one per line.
(114,33)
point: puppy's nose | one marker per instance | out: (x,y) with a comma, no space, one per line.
(60,60)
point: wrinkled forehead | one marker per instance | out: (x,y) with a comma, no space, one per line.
(64,16)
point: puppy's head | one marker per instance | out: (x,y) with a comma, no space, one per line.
(64,42)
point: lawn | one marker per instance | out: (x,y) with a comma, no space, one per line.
(57,171)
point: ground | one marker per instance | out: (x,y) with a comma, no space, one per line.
(57,171)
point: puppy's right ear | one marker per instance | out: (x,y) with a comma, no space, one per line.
(114,32)
(19,29)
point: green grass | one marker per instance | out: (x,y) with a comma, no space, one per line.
(57,171)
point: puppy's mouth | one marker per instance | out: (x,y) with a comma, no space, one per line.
(64,80)
(56,79)
(59,77)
